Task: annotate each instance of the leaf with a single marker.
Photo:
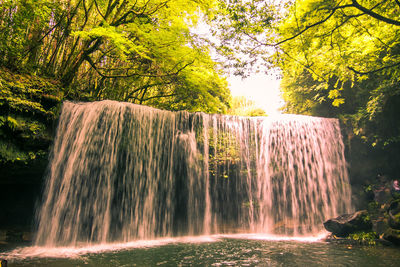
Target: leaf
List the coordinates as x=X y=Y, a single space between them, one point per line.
x=333 y=94
x=337 y=102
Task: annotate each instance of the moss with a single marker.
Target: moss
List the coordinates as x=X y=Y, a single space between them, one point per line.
x=29 y=106
x=24 y=94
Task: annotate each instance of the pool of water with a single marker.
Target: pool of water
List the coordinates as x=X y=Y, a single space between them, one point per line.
x=233 y=250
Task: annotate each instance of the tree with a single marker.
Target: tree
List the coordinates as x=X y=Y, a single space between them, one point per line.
x=349 y=51
x=242 y=29
x=243 y=107
x=138 y=51
x=338 y=57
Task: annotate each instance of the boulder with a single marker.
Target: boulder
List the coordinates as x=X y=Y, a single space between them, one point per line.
x=347 y=224
x=392 y=235
x=380 y=225
x=394 y=215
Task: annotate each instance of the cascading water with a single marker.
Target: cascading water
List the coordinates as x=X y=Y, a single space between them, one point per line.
x=121 y=172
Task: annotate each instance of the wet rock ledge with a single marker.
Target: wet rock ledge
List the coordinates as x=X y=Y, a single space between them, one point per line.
x=379 y=224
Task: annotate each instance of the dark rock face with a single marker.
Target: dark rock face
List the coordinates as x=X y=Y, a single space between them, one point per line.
x=29 y=107
x=383 y=195
x=394 y=215
x=392 y=235
x=380 y=225
x=346 y=224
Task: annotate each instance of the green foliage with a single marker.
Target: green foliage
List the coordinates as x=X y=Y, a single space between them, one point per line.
x=350 y=60
x=368 y=189
x=17 y=28
x=224 y=151
x=365 y=238
x=243 y=107
x=243 y=31
x=337 y=58
x=138 y=51
x=373 y=208
x=28 y=94
x=28 y=108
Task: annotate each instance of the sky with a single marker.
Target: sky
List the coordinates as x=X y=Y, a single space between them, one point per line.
x=263 y=89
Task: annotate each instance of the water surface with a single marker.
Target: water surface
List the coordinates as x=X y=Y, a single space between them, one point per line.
x=234 y=250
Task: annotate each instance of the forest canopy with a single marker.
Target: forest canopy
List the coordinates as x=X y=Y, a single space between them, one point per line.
x=137 y=51
x=338 y=58
x=344 y=60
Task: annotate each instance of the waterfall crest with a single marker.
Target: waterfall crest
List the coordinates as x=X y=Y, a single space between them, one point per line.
x=123 y=172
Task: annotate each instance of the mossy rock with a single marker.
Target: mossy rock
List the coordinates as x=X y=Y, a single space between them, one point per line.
x=394 y=214
x=347 y=224
x=380 y=225
x=29 y=95
x=392 y=235
x=29 y=107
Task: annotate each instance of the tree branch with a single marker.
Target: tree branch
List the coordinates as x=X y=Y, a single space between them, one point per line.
x=158 y=96
x=131 y=95
x=152 y=97
x=370 y=34
x=93 y=65
x=373 y=71
x=374 y=14
x=304 y=65
x=354 y=4
x=48 y=32
x=98 y=10
x=306 y=28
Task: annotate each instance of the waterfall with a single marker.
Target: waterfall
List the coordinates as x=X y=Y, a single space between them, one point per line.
x=120 y=172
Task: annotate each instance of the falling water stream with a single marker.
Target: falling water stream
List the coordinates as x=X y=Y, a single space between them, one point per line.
x=122 y=173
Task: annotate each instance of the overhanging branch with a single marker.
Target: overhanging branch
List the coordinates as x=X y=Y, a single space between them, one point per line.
x=306 y=28
x=374 y=14
x=93 y=65
x=373 y=71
